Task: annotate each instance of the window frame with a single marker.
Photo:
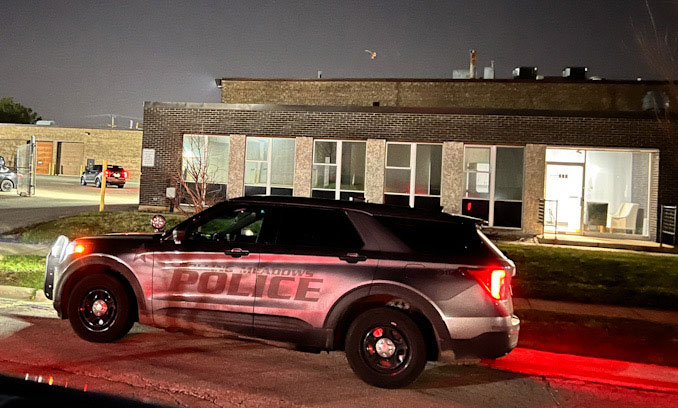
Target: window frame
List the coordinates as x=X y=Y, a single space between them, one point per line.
x=492 y=174
x=269 y=164
x=413 y=171
x=337 y=165
x=205 y=145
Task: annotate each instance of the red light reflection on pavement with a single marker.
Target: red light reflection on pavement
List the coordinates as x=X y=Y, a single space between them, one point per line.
x=591 y=369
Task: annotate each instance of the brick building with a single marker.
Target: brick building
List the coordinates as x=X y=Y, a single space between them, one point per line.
x=490 y=149
x=65 y=150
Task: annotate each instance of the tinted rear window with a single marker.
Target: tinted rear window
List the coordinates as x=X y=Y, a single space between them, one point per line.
x=433 y=237
x=317 y=228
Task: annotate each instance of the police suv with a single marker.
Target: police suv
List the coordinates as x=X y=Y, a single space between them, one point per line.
x=393 y=287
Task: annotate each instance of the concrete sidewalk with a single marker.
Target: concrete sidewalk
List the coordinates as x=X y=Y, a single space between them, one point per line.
x=20 y=248
x=571 y=308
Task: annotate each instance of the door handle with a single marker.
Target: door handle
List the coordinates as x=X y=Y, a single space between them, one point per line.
x=353 y=257
x=237 y=252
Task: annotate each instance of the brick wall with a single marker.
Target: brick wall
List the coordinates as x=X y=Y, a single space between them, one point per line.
x=165 y=123
x=121 y=147
x=594 y=96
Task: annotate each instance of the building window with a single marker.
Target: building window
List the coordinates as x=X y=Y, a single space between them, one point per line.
x=598 y=192
x=343 y=158
x=494 y=184
x=269 y=166
x=412 y=176
x=205 y=159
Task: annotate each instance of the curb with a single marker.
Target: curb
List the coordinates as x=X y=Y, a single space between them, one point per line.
x=19 y=293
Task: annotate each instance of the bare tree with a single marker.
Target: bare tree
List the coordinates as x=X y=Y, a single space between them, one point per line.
x=196 y=177
x=659 y=49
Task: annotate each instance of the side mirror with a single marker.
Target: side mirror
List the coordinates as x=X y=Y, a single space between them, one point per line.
x=2 y=161
x=178 y=236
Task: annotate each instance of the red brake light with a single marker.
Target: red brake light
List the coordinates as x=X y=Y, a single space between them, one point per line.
x=124 y=174
x=495 y=281
x=107 y=173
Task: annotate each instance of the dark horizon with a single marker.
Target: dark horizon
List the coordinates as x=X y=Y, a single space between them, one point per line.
x=69 y=61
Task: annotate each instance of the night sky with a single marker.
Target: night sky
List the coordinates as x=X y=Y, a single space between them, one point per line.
x=71 y=59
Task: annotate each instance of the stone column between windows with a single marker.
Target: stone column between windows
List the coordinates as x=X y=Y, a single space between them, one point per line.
x=452 y=180
x=303 y=166
x=534 y=182
x=236 y=166
x=374 y=170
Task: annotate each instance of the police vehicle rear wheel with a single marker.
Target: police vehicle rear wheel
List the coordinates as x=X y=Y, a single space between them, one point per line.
x=97 y=183
x=100 y=309
x=83 y=182
x=385 y=348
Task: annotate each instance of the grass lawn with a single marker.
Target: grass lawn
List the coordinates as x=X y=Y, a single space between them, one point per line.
x=93 y=223
x=594 y=276
x=22 y=270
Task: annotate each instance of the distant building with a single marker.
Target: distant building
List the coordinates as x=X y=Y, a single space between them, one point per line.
x=486 y=148
x=65 y=150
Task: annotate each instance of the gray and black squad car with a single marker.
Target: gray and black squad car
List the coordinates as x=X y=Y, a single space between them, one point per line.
x=393 y=287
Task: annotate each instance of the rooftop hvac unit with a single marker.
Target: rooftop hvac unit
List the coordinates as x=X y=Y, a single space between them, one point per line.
x=575 y=73
x=525 y=73
x=460 y=74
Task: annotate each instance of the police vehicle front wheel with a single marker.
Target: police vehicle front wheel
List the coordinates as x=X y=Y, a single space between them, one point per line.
x=100 y=309
x=385 y=348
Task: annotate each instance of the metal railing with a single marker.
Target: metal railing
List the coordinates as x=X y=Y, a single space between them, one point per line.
x=548 y=214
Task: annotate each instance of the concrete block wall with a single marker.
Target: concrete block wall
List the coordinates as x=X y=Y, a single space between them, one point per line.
x=594 y=96
x=118 y=146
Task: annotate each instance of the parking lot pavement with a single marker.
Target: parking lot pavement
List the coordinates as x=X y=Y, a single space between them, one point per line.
x=59 y=196
x=190 y=370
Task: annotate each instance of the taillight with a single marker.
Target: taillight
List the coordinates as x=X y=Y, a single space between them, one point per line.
x=107 y=173
x=494 y=280
x=124 y=174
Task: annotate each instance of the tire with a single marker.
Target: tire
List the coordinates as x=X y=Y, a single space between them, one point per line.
x=121 y=185
x=83 y=182
x=97 y=183
x=388 y=331
x=100 y=293
x=6 y=185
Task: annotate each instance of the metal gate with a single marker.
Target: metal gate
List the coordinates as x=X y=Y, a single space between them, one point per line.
x=25 y=165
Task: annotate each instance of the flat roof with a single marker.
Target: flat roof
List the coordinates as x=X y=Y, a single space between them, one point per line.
x=549 y=80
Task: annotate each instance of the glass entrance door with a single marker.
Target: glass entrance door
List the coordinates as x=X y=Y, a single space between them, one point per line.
x=564 y=186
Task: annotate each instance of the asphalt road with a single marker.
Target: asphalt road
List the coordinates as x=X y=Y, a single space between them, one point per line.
x=189 y=370
x=58 y=196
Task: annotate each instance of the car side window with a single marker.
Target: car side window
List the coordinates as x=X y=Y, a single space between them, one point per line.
x=241 y=225
x=433 y=237
x=317 y=228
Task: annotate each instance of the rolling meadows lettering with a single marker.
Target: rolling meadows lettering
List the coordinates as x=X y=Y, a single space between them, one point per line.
x=268 y=285
x=245 y=270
